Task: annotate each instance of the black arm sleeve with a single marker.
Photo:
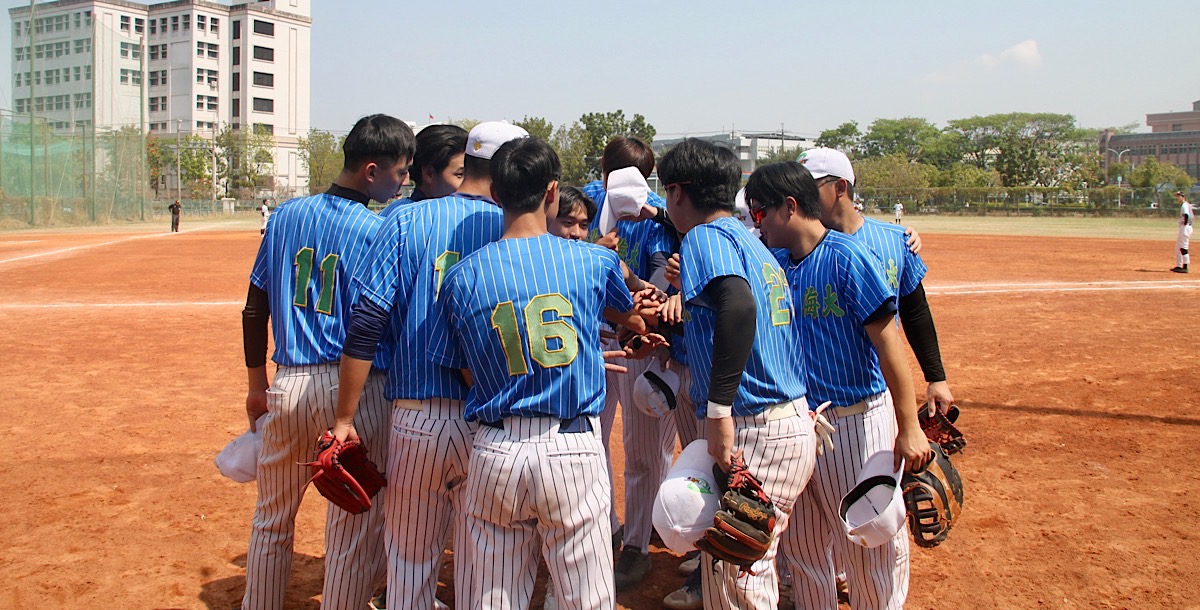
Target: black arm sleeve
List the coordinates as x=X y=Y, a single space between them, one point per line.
x=658 y=271
x=922 y=335
x=367 y=323
x=733 y=338
x=255 y=318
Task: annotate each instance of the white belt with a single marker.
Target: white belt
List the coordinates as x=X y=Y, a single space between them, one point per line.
x=857 y=408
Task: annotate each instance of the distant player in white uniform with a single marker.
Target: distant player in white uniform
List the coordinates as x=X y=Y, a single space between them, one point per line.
x=300 y=286
x=853 y=358
x=430 y=441
x=899 y=212
x=265 y=212
x=1186 y=219
x=522 y=316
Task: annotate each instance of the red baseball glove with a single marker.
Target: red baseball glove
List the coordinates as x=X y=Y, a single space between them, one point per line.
x=344 y=474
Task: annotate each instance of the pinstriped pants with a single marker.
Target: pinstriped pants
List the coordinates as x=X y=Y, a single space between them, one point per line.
x=687 y=424
x=301 y=405
x=649 y=446
x=529 y=484
x=781 y=454
x=877 y=577
x=427 y=473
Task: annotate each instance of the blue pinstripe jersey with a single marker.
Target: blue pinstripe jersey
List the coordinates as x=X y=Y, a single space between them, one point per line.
x=902 y=269
x=725 y=247
x=836 y=288
x=304 y=264
x=638 y=241
x=524 y=315
x=411 y=255
x=396 y=206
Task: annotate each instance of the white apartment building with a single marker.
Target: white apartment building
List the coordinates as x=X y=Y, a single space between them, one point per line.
x=182 y=67
x=749 y=147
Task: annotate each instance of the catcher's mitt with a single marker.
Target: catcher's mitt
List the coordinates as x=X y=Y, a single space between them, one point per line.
x=344 y=474
x=744 y=526
x=933 y=498
x=941 y=430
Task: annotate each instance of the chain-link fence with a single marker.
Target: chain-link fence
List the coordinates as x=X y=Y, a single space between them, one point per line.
x=52 y=174
x=1030 y=201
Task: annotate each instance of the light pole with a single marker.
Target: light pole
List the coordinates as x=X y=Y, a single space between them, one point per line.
x=1118 y=175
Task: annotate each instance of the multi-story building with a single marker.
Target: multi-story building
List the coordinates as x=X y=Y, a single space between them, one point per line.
x=1174 y=138
x=749 y=147
x=172 y=68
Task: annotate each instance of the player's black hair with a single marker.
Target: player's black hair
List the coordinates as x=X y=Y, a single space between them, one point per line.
x=521 y=171
x=627 y=151
x=770 y=185
x=708 y=176
x=378 y=138
x=571 y=197
x=475 y=168
x=436 y=144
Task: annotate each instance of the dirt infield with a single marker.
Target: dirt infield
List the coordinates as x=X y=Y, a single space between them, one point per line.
x=1073 y=360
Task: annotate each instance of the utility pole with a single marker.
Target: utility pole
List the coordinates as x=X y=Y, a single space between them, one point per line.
x=32 y=101
x=178 y=166
x=140 y=183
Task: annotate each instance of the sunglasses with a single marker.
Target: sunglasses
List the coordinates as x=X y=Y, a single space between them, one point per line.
x=757 y=214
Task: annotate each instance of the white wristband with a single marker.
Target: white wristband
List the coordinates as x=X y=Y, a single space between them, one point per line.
x=716 y=411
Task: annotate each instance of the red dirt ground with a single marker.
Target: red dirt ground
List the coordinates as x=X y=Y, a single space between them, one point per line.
x=1077 y=405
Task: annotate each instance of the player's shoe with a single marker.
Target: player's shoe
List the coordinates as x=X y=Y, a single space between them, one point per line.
x=688 y=597
x=691 y=561
x=843 y=588
x=1179 y=270
x=632 y=566
x=618 y=538
x=379 y=602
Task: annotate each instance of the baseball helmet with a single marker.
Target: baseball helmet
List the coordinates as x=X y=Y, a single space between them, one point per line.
x=873 y=511
x=654 y=390
x=687 y=499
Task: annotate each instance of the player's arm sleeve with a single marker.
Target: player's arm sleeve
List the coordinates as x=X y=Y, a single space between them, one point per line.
x=255 y=318
x=367 y=323
x=867 y=289
x=922 y=334
x=616 y=293
x=657 y=270
x=732 y=337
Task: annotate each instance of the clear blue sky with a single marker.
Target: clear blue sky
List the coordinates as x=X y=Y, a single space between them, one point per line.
x=702 y=67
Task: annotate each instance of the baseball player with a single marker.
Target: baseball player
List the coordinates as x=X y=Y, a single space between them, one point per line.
x=855 y=360
x=429 y=441
x=437 y=166
x=1186 y=218
x=902 y=266
x=744 y=382
x=175 y=210
x=525 y=334
x=649 y=442
x=300 y=284
x=265 y=212
x=899 y=212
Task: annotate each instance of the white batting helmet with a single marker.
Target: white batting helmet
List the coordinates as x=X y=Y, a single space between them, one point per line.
x=687 y=499
x=654 y=390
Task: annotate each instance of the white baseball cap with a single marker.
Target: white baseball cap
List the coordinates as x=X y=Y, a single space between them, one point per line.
x=822 y=162
x=625 y=194
x=239 y=459
x=486 y=137
x=874 y=511
x=687 y=499
x=654 y=390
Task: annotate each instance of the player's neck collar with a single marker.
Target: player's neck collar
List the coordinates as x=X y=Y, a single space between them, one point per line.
x=348 y=193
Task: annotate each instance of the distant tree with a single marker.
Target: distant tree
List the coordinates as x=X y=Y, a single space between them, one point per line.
x=599 y=128
x=321 y=154
x=1152 y=173
x=467 y=124
x=962 y=175
x=845 y=137
x=779 y=155
x=156 y=162
x=893 y=172
x=907 y=136
x=537 y=127
x=1028 y=149
x=570 y=142
x=246 y=159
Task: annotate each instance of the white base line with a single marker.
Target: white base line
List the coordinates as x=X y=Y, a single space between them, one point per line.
x=119 y=305
x=90 y=246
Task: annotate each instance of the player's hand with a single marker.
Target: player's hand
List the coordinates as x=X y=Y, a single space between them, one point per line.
x=344 y=432
x=719 y=433
x=914 y=240
x=671 y=312
x=609 y=240
x=913 y=447
x=613 y=355
x=648 y=212
x=642 y=346
x=256 y=407
x=672 y=272
x=938 y=397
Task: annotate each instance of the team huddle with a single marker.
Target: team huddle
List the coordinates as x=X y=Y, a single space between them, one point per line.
x=479 y=336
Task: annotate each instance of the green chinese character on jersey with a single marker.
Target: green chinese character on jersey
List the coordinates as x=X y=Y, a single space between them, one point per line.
x=812 y=304
x=831 y=303
x=893 y=274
